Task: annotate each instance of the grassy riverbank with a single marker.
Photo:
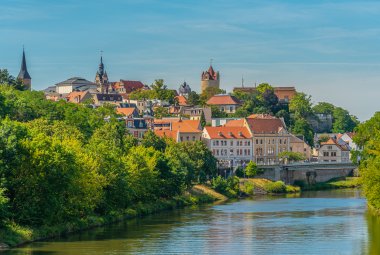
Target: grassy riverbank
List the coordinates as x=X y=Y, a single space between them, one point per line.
x=341 y=183
x=252 y=187
x=13 y=234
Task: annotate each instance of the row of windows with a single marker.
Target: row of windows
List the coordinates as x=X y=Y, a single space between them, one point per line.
x=273 y=141
x=326 y=154
x=187 y=138
x=224 y=143
x=270 y=151
x=224 y=152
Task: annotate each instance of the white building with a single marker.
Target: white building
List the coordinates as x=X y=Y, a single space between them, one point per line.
x=232 y=146
x=332 y=151
x=75 y=84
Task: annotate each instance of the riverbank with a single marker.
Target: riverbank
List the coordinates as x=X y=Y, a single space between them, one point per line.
x=341 y=183
x=12 y=235
x=255 y=186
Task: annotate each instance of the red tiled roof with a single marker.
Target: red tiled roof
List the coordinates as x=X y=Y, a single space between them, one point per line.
x=125 y=111
x=129 y=86
x=223 y=100
x=183 y=126
x=181 y=100
x=228 y=132
x=235 y=123
x=267 y=125
x=166 y=133
x=331 y=141
x=76 y=96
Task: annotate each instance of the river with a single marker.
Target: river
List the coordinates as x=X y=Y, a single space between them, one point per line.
x=323 y=222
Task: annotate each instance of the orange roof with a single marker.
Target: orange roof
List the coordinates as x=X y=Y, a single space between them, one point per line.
x=181 y=100
x=125 y=111
x=261 y=116
x=183 y=126
x=76 y=96
x=223 y=100
x=235 y=123
x=331 y=141
x=167 y=133
x=228 y=132
x=265 y=124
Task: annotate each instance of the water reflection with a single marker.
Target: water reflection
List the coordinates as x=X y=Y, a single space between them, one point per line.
x=329 y=222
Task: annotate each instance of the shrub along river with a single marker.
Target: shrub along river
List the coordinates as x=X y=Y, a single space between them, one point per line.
x=323 y=222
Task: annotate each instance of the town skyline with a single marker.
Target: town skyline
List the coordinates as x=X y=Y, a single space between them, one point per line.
x=314 y=46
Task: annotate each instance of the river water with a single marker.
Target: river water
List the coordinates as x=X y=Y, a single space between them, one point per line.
x=323 y=222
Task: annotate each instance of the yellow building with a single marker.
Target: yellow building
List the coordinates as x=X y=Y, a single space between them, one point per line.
x=210 y=79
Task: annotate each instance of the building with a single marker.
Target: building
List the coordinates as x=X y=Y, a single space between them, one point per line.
x=136 y=126
x=181 y=100
x=232 y=146
x=184 y=89
x=332 y=151
x=195 y=113
x=216 y=122
x=269 y=136
x=23 y=74
x=321 y=122
x=127 y=86
x=299 y=145
x=178 y=129
x=210 y=79
x=79 y=97
x=101 y=99
x=75 y=84
x=130 y=112
x=348 y=139
x=101 y=79
x=284 y=94
x=225 y=103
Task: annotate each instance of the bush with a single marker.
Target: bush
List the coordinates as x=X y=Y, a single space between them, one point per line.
x=228 y=187
x=275 y=187
x=248 y=188
x=3 y=207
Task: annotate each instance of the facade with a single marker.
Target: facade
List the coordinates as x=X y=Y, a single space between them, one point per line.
x=210 y=79
x=75 y=84
x=269 y=136
x=299 y=145
x=232 y=146
x=284 y=94
x=195 y=113
x=23 y=74
x=225 y=103
x=332 y=151
x=348 y=139
x=136 y=126
x=321 y=122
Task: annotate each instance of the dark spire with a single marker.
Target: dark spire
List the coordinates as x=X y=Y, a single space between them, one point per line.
x=24 y=71
x=101 y=67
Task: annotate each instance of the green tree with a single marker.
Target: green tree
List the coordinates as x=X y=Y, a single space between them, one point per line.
x=301 y=105
x=251 y=170
x=324 y=108
x=161 y=112
x=343 y=121
x=291 y=156
x=302 y=127
x=193 y=98
x=152 y=140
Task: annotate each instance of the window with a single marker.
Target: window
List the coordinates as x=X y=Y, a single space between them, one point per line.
x=193 y=138
x=187 y=138
x=284 y=141
x=232 y=143
x=231 y=152
x=325 y=154
x=136 y=134
x=333 y=154
x=249 y=143
x=329 y=147
x=261 y=141
x=257 y=141
x=231 y=109
x=130 y=124
x=217 y=143
x=280 y=141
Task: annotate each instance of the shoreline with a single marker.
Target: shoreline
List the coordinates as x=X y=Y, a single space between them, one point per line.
x=13 y=235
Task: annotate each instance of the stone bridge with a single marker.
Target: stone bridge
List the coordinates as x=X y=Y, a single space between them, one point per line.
x=307 y=172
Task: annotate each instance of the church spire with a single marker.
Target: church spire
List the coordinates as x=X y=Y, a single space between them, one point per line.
x=24 y=75
x=24 y=70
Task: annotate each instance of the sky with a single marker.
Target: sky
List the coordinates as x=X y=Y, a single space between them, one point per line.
x=328 y=49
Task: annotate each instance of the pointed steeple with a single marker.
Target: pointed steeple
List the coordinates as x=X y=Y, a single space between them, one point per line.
x=101 y=67
x=23 y=71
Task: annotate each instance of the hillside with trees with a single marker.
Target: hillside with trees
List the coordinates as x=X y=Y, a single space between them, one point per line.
x=62 y=163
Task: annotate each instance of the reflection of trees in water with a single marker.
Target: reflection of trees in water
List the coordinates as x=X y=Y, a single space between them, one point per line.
x=373 y=223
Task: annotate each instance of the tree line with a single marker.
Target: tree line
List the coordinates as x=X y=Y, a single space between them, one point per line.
x=61 y=162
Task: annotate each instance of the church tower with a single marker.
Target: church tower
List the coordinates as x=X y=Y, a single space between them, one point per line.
x=24 y=75
x=101 y=78
x=209 y=78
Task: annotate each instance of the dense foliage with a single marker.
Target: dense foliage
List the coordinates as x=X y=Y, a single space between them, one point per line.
x=368 y=137
x=61 y=162
x=158 y=90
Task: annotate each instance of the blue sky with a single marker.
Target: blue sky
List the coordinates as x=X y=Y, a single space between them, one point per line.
x=329 y=49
